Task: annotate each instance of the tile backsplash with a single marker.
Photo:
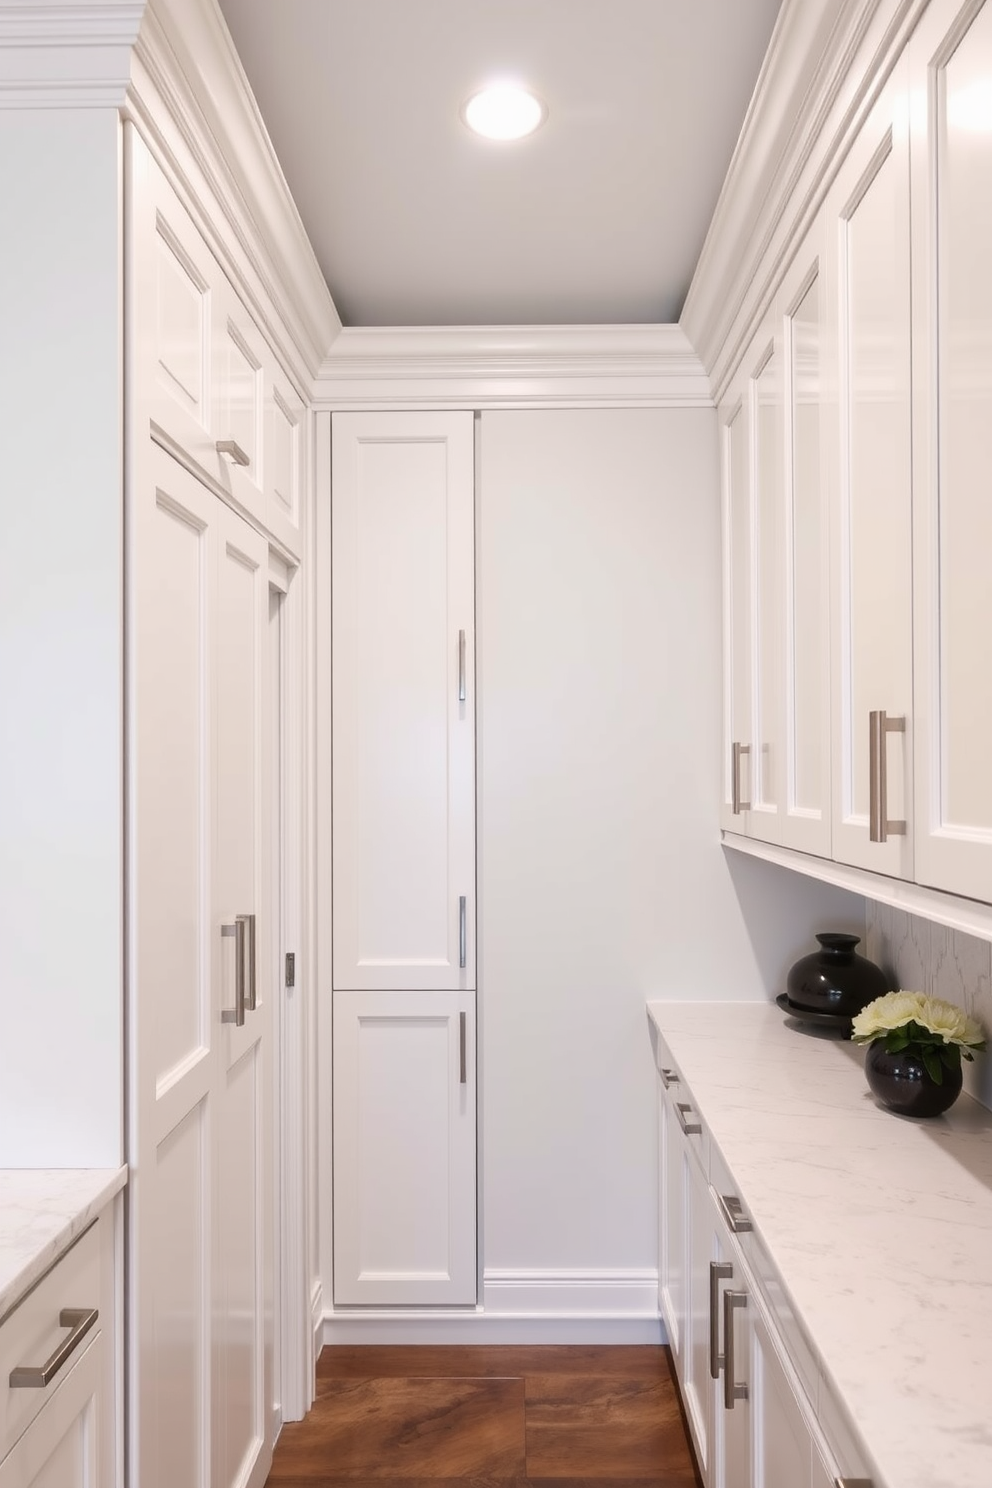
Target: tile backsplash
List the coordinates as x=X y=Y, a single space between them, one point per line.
x=920 y=956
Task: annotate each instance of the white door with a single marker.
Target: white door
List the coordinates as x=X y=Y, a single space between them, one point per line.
x=62 y=1448
x=805 y=782
x=767 y=760
x=404 y=1148
x=199 y=1129
x=951 y=82
x=697 y=1390
x=737 y=590
x=403 y=556
x=781 y=1439
x=672 y=1226
x=867 y=224
x=242 y=1126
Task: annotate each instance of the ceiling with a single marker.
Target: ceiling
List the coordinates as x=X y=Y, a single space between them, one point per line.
x=598 y=218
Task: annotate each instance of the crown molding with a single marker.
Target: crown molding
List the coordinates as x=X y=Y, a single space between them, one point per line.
x=71 y=54
x=511 y=366
x=191 y=100
x=824 y=65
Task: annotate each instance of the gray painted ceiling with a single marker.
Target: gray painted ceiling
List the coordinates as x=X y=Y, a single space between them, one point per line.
x=598 y=218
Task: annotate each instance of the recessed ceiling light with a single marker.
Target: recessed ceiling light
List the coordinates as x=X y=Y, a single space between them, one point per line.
x=504 y=112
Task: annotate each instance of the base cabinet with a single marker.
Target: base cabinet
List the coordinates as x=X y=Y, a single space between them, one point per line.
x=755 y=1414
x=404 y=1148
x=62 y=1448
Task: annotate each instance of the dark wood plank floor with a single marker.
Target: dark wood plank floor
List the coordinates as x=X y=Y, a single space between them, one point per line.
x=491 y=1418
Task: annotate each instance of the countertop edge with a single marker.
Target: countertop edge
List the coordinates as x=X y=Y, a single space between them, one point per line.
x=71 y=1198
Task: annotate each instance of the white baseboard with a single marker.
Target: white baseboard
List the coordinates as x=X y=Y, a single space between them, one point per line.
x=520 y=1307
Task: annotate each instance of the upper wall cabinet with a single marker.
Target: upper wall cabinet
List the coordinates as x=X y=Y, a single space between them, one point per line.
x=217 y=396
x=951 y=114
x=403 y=565
x=776 y=782
x=867 y=227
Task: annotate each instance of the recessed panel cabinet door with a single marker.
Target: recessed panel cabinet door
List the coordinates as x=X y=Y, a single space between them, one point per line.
x=951 y=81
x=404 y=1148
x=867 y=225
x=737 y=591
x=403 y=701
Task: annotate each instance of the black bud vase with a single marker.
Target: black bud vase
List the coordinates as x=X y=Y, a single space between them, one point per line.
x=834 y=979
x=901 y=1082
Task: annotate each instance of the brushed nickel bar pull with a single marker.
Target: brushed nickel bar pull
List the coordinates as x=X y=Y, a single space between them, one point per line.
x=232 y=448
x=462 y=933
x=237 y=1017
x=734 y=1217
x=38 y=1377
x=737 y=805
x=719 y=1271
x=691 y=1128
x=461 y=666
x=731 y=1389
x=853 y=1483
x=879 y=826
x=668 y=1077
x=252 y=999
x=462 y=1056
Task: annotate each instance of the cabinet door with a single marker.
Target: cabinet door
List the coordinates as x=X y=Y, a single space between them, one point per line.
x=867 y=224
x=781 y=1438
x=404 y=701
x=62 y=1448
x=404 y=1148
x=951 y=62
x=672 y=1228
x=239 y=357
x=805 y=783
x=697 y=1383
x=765 y=400
x=737 y=589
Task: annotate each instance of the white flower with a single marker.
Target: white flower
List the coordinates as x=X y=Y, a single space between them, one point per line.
x=888 y=1012
x=949 y=1022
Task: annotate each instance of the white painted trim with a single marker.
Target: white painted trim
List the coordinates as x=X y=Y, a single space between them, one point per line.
x=478 y=1327
x=70 y=54
x=967 y=915
x=824 y=67
x=571 y=1293
x=511 y=367
x=317 y=1335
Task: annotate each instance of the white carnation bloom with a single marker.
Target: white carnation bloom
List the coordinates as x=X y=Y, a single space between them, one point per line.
x=888 y=1012
x=949 y=1022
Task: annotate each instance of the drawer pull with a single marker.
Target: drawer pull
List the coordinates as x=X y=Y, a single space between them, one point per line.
x=853 y=1483
x=719 y=1271
x=734 y=1217
x=691 y=1128
x=37 y=1377
x=232 y=448
x=738 y=804
x=879 y=826
x=461 y=666
x=668 y=1077
x=731 y=1389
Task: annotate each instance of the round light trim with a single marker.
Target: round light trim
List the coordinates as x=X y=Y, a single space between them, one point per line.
x=504 y=112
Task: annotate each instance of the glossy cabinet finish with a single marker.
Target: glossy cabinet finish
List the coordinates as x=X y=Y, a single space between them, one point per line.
x=404 y=1148
x=951 y=85
x=403 y=555
x=735 y=438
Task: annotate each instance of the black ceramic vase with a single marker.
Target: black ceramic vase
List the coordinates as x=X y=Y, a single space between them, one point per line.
x=901 y=1082
x=834 y=979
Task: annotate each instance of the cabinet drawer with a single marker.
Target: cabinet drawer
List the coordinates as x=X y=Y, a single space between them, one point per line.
x=31 y=1333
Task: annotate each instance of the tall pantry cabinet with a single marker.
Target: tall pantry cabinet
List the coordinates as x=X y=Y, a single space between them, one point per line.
x=403 y=849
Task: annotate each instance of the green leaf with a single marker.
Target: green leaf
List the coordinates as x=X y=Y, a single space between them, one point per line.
x=932 y=1066
x=951 y=1056
x=897 y=1039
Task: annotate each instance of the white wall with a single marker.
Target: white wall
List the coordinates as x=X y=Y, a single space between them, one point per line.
x=602 y=881
x=61 y=639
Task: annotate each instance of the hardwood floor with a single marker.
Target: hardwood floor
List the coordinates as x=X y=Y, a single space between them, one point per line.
x=490 y=1418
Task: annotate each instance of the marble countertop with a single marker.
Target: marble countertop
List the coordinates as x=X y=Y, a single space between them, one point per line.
x=42 y=1210
x=879 y=1226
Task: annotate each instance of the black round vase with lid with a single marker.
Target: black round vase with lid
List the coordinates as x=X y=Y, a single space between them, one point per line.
x=835 y=979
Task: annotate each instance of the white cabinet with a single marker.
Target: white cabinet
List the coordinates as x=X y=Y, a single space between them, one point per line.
x=404 y=1148
x=867 y=226
x=403 y=555
x=951 y=85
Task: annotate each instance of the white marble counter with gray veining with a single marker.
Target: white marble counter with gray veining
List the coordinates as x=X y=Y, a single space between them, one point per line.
x=42 y=1210
x=880 y=1227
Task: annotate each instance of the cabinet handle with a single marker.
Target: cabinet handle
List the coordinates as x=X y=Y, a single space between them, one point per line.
x=691 y=1128
x=462 y=1060
x=232 y=447
x=462 y=933
x=731 y=1389
x=734 y=1217
x=853 y=1483
x=37 y=1377
x=237 y=1017
x=879 y=826
x=252 y=998
x=719 y=1271
x=737 y=805
x=668 y=1077
x=461 y=666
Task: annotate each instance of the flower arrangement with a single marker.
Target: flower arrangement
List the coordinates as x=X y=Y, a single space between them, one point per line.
x=935 y=1031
